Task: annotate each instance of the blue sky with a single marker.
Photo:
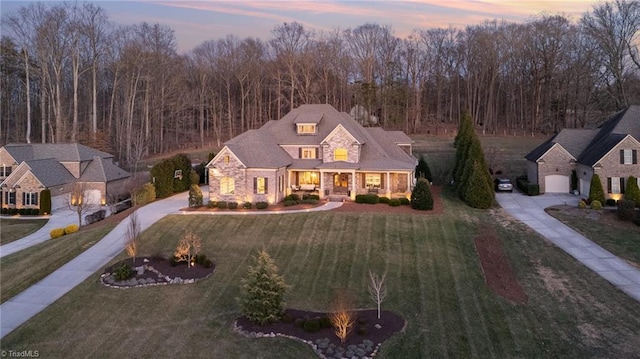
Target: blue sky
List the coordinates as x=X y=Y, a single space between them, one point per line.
x=197 y=21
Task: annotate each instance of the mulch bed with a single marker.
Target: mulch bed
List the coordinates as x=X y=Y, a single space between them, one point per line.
x=162 y=272
x=365 y=329
x=496 y=267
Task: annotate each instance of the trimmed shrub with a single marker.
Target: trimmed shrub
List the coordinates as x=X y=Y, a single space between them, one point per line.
x=533 y=189
x=421 y=198
x=384 y=199
x=423 y=170
x=72 y=228
x=262 y=205
x=194 y=177
x=4 y=211
x=195 y=196
x=247 y=205
x=123 y=272
x=596 y=193
x=212 y=204
x=595 y=204
x=311 y=196
x=632 y=192
x=221 y=205
x=478 y=193
x=582 y=204
x=626 y=210
x=404 y=201
x=394 y=202
x=233 y=205
x=56 y=233
x=45 y=201
x=202 y=260
x=288 y=203
x=369 y=198
x=13 y=211
x=287 y=318
x=145 y=194
x=311 y=325
x=610 y=202
x=309 y=201
x=292 y=197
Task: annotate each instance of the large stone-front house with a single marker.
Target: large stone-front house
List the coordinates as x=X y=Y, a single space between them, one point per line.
x=313 y=149
x=27 y=169
x=611 y=151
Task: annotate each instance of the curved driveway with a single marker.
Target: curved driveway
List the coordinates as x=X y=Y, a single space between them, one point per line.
x=34 y=299
x=530 y=211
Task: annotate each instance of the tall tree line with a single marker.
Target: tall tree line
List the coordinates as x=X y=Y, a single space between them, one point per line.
x=70 y=74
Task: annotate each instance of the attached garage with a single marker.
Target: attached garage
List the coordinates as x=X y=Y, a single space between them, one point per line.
x=556 y=184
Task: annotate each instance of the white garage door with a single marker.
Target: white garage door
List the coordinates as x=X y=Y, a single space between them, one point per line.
x=556 y=184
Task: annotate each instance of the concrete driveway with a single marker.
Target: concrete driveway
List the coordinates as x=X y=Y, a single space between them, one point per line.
x=530 y=211
x=60 y=218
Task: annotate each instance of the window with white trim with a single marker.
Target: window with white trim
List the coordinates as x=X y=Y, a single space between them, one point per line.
x=340 y=154
x=615 y=184
x=373 y=180
x=10 y=197
x=227 y=185
x=261 y=185
x=308 y=152
x=627 y=157
x=29 y=199
x=306 y=129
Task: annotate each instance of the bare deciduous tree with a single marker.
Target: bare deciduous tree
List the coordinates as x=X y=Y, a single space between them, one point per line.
x=188 y=249
x=80 y=201
x=377 y=289
x=131 y=236
x=342 y=314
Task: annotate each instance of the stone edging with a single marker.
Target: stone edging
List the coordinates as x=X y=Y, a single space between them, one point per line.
x=165 y=280
x=248 y=334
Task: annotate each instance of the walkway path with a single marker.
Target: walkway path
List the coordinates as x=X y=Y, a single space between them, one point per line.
x=60 y=218
x=530 y=210
x=34 y=299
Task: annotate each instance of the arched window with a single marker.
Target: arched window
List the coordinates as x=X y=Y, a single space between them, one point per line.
x=227 y=185
x=340 y=154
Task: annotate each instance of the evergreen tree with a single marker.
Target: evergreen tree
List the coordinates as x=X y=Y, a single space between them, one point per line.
x=596 y=193
x=182 y=163
x=263 y=291
x=632 y=192
x=45 y=201
x=461 y=142
x=423 y=170
x=421 y=197
x=195 y=196
x=478 y=193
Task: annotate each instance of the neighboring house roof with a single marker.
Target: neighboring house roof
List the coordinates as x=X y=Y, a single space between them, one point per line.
x=49 y=172
x=63 y=152
x=102 y=170
x=258 y=151
x=588 y=146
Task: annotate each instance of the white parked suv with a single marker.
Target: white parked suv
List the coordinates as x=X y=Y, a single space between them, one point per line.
x=503 y=184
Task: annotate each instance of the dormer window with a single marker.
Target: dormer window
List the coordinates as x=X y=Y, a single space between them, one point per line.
x=306 y=128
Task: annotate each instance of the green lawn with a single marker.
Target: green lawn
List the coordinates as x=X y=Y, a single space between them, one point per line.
x=13 y=229
x=619 y=238
x=434 y=281
x=25 y=268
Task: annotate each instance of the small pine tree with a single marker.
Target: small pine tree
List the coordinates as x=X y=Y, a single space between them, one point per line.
x=421 y=197
x=632 y=192
x=195 y=196
x=423 y=170
x=596 y=193
x=45 y=201
x=478 y=193
x=462 y=142
x=263 y=291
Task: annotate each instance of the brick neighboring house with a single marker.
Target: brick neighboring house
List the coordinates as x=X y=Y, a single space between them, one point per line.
x=611 y=151
x=27 y=169
x=313 y=149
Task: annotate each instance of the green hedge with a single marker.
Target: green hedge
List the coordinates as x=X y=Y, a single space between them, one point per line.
x=367 y=198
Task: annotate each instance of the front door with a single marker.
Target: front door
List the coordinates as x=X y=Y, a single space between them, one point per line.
x=341 y=183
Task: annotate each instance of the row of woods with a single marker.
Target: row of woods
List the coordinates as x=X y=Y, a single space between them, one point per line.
x=71 y=74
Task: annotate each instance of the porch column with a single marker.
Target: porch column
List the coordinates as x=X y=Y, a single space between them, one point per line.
x=388 y=182
x=353 y=185
x=321 y=190
x=409 y=179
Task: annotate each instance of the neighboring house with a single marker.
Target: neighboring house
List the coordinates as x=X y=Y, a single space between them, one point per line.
x=313 y=149
x=27 y=169
x=611 y=151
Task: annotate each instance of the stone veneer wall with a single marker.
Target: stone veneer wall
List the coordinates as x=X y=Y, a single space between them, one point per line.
x=233 y=169
x=341 y=139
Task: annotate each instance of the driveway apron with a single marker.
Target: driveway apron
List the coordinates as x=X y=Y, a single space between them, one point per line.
x=530 y=211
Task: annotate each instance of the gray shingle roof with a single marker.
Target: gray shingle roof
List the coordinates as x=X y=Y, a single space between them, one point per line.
x=63 y=152
x=257 y=149
x=102 y=170
x=50 y=172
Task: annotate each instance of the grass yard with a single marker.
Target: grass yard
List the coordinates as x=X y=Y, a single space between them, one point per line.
x=14 y=229
x=434 y=281
x=22 y=269
x=603 y=228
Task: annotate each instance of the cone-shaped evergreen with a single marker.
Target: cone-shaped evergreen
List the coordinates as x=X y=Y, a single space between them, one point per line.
x=421 y=197
x=422 y=169
x=478 y=193
x=263 y=291
x=596 y=193
x=45 y=201
x=462 y=142
x=465 y=128
x=632 y=192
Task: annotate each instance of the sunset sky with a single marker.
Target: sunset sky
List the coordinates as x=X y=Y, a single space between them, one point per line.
x=197 y=21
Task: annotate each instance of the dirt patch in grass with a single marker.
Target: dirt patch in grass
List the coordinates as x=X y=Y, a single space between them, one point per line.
x=556 y=286
x=367 y=328
x=497 y=270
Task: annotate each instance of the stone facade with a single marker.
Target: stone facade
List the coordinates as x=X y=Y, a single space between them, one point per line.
x=340 y=139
